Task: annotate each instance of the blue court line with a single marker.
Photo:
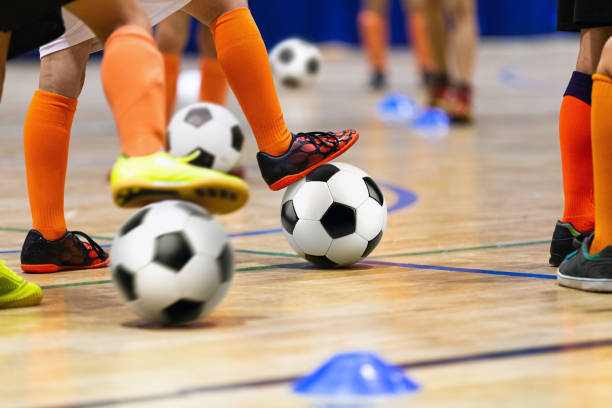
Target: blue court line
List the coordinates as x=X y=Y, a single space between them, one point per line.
x=404 y=198
x=469 y=270
x=286 y=380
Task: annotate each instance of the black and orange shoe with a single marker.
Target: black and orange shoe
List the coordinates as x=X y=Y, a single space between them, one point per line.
x=306 y=152
x=39 y=255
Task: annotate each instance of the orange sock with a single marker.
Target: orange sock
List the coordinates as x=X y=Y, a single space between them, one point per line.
x=172 y=66
x=213 y=85
x=133 y=80
x=576 y=157
x=417 y=23
x=244 y=59
x=46 y=136
x=374 y=35
x=601 y=126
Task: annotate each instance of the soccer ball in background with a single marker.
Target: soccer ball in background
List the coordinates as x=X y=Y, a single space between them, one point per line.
x=295 y=63
x=210 y=129
x=172 y=262
x=335 y=216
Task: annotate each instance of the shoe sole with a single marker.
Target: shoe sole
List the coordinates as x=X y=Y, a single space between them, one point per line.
x=216 y=196
x=50 y=268
x=586 y=284
x=32 y=299
x=292 y=178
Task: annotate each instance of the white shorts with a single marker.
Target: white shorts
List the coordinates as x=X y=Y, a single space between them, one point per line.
x=77 y=31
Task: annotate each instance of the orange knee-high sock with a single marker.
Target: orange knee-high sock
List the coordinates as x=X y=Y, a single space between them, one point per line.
x=601 y=126
x=576 y=157
x=213 y=85
x=46 y=136
x=172 y=66
x=419 y=33
x=244 y=59
x=133 y=80
x=374 y=35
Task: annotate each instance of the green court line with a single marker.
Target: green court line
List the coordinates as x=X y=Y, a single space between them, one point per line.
x=465 y=249
x=102 y=282
x=430 y=252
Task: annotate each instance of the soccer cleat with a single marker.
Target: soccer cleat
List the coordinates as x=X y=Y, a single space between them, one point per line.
x=39 y=255
x=16 y=292
x=581 y=270
x=565 y=240
x=138 y=181
x=306 y=152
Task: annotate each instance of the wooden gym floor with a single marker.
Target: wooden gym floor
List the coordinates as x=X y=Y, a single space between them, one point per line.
x=459 y=292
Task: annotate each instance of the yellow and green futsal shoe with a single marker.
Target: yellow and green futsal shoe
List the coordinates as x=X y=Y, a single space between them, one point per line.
x=138 y=181
x=16 y=292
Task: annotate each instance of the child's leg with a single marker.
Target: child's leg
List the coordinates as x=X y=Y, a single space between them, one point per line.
x=5 y=39
x=284 y=157
x=417 y=26
x=46 y=136
x=171 y=36
x=575 y=140
x=602 y=150
x=374 y=35
x=213 y=85
x=132 y=71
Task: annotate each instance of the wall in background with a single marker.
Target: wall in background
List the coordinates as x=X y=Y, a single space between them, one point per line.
x=335 y=20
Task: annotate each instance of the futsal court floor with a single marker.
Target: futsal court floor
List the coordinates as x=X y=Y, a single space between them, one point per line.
x=459 y=292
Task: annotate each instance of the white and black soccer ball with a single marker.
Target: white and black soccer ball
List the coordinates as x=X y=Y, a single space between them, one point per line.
x=295 y=63
x=335 y=216
x=172 y=262
x=210 y=129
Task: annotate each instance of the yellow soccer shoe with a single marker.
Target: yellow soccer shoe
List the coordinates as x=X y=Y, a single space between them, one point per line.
x=16 y=292
x=138 y=181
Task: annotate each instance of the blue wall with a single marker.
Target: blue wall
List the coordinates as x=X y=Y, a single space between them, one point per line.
x=335 y=20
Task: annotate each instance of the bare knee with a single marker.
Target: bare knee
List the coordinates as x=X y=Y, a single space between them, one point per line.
x=63 y=72
x=172 y=33
x=462 y=10
x=207 y=11
x=605 y=62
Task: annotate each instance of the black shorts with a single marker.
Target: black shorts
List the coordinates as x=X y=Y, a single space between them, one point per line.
x=573 y=15
x=32 y=23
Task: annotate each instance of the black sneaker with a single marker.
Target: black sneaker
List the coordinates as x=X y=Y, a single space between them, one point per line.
x=378 y=81
x=306 y=152
x=584 y=271
x=565 y=240
x=40 y=255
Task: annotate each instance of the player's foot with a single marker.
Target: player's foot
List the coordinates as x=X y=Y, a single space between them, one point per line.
x=40 y=255
x=138 y=181
x=437 y=89
x=565 y=240
x=16 y=292
x=378 y=81
x=584 y=271
x=306 y=152
x=458 y=104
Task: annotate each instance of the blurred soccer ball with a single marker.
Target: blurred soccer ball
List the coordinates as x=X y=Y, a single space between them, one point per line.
x=295 y=63
x=172 y=262
x=210 y=129
x=335 y=216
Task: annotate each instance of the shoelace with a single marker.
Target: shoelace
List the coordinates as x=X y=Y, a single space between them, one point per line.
x=314 y=136
x=94 y=245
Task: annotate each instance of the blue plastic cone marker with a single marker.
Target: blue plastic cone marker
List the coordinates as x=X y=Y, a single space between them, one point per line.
x=357 y=374
x=431 y=119
x=397 y=107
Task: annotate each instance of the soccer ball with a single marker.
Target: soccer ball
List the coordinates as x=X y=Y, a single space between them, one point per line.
x=172 y=262
x=335 y=216
x=210 y=129
x=295 y=63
